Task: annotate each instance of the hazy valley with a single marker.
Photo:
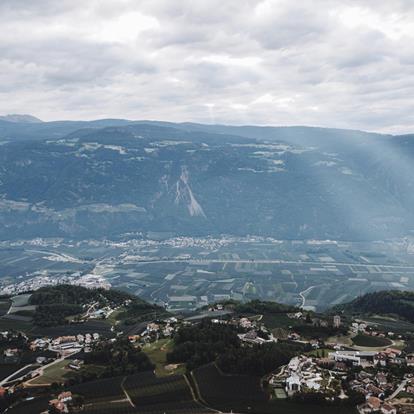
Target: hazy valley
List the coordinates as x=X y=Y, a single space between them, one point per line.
x=186 y=214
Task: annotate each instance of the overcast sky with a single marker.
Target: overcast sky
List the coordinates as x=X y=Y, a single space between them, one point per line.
x=347 y=64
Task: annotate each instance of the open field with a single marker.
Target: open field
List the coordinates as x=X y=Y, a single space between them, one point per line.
x=55 y=373
x=157 y=352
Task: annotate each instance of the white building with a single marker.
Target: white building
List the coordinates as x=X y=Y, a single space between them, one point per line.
x=293 y=384
x=358 y=358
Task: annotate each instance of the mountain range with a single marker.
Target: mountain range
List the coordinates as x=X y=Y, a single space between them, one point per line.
x=105 y=178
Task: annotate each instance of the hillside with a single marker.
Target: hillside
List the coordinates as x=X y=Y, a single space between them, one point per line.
x=111 y=177
x=55 y=304
x=395 y=303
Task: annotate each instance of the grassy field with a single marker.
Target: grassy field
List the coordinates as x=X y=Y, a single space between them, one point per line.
x=157 y=353
x=55 y=373
x=340 y=339
x=113 y=317
x=370 y=341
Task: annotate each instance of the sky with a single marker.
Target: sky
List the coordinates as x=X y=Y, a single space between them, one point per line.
x=332 y=63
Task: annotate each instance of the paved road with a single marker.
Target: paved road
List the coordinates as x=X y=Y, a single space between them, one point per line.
x=41 y=369
x=302 y=295
x=407 y=268
x=5 y=380
x=398 y=390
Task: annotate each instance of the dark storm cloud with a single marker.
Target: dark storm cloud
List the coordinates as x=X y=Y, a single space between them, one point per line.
x=324 y=62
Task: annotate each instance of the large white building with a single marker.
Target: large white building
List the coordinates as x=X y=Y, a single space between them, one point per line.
x=360 y=358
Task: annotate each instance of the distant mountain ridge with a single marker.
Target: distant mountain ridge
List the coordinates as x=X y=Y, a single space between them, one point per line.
x=16 y=127
x=109 y=177
x=24 y=119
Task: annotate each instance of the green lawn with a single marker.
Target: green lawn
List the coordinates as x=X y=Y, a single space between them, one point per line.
x=55 y=373
x=157 y=353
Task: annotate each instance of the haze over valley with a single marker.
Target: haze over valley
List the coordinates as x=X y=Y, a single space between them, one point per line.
x=188 y=214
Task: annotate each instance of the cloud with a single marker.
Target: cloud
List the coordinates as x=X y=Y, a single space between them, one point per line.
x=327 y=62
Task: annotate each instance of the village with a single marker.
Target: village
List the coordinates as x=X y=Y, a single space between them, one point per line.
x=379 y=380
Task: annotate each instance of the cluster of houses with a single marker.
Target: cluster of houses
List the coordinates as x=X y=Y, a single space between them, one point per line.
x=156 y=330
x=64 y=345
x=330 y=376
x=256 y=333
x=376 y=405
x=362 y=327
x=61 y=403
x=387 y=357
x=90 y=281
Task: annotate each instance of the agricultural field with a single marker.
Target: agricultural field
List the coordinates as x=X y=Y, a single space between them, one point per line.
x=112 y=407
x=104 y=390
x=227 y=392
x=139 y=393
x=169 y=391
x=187 y=273
x=14 y=322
